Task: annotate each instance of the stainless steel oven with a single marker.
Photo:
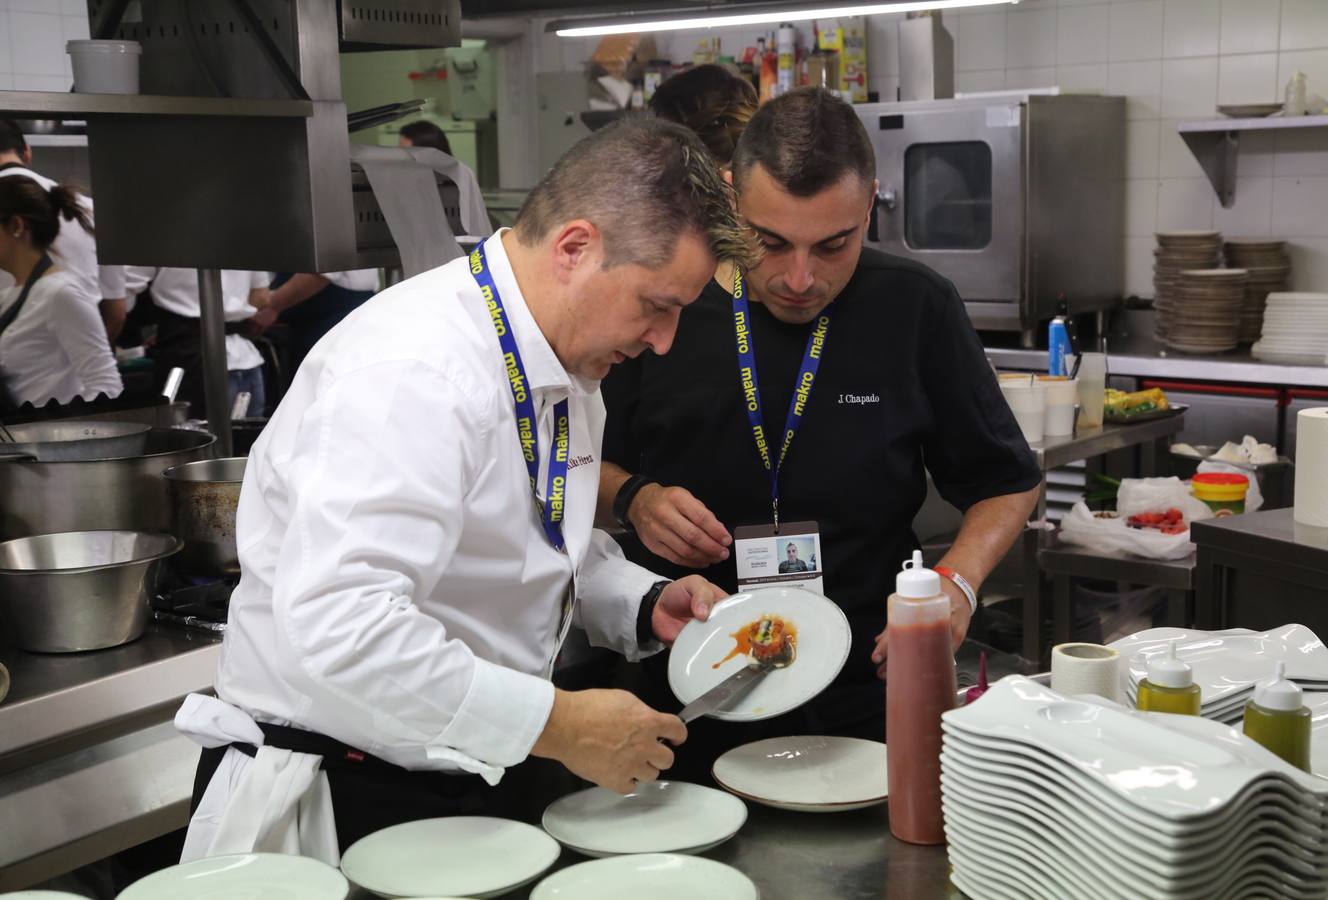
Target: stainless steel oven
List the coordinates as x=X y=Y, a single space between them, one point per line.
x=1017 y=199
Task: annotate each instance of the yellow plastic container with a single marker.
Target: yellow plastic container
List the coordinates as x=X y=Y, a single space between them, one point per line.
x=1224 y=492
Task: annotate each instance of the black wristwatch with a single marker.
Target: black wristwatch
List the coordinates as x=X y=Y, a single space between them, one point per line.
x=645 y=633
x=626 y=494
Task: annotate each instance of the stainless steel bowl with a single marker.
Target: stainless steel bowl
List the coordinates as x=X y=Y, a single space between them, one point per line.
x=79 y=590
x=204 y=496
x=75 y=440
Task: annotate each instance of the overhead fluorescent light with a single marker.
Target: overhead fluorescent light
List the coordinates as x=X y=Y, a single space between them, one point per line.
x=645 y=22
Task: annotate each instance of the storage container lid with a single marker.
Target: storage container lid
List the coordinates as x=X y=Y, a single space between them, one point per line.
x=1168 y=671
x=1220 y=486
x=916 y=580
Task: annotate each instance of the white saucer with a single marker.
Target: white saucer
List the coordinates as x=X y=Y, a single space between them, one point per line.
x=822 y=649
x=272 y=876
x=806 y=773
x=655 y=876
x=469 y=856
x=659 y=817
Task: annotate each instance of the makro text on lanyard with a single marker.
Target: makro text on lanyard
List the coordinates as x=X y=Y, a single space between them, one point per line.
x=751 y=392
x=552 y=510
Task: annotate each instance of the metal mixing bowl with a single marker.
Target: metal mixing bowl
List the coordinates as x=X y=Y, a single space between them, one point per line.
x=205 y=495
x=79 y=590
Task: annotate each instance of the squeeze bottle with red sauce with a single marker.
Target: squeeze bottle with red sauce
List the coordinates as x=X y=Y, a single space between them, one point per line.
x=919 y=686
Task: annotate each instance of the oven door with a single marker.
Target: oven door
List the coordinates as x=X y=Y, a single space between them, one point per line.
x=952 y=196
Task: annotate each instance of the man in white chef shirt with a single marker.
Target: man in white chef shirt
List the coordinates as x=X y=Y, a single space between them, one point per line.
x=402 y=599
x=175 y=294
x=75 y=249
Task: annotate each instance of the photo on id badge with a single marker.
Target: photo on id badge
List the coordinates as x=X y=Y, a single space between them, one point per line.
x=790 y=557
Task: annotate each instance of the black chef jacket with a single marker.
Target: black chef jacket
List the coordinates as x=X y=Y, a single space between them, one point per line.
x=903 y=383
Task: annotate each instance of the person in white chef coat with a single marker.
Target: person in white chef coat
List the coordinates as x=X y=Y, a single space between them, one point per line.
x=179 y=338
x=74 y=249
x=52 y=344
x=415 y=527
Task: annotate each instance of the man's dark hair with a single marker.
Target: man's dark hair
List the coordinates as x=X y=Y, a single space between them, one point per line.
x=806 y=140
x=426 y=134
x=644 y=183
x=711 y=101
x=11 y=137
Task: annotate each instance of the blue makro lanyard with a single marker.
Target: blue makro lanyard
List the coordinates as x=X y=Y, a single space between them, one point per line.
x=554 y=506
x=811 y=361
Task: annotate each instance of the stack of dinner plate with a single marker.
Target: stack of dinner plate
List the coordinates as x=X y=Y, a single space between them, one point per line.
x=1177 y=251
x=1056 y=798
x=1227 y=665
x=1203 y=315
x=1268 y=266
x=1295 y=329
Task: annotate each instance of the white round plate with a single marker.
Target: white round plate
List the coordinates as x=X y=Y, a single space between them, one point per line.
x=272 y=876
x=821 y=651
x=41 y=895
x=806 y=773
x=659 y=817
x=654 y=876
x=466 y=856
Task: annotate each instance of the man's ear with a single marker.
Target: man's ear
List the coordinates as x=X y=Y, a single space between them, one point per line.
x=578 y=243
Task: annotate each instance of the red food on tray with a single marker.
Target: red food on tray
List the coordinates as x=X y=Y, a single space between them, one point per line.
x=1170 y=522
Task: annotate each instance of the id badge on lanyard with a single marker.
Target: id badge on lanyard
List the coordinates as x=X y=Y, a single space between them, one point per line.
x=789 y=551
x=553 y=508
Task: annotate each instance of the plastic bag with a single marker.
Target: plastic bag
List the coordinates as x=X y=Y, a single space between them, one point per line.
x=1137 y=495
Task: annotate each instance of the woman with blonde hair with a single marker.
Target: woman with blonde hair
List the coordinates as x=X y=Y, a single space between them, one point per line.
x=713 y=102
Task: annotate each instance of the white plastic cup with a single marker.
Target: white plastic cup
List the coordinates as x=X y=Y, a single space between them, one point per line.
x=1061 y=396
x=1028 y=402
x=1092 y=389
x=105 y=67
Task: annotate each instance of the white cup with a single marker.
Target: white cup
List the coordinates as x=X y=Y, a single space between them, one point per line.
x=1028 y=402
x=1092 y=388
x=105 y=67
x=1061 y=396
x=1085 y=669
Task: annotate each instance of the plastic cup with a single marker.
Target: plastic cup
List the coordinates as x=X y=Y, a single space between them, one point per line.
x=105 y=67
x=1092 y=388
x=1061 y=396
x=1028 y=402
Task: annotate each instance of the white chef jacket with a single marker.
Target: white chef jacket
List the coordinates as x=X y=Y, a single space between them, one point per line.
x=74 y=249
x=176 y=291
x=398 y=592
x=57 y=346
x=354 y=280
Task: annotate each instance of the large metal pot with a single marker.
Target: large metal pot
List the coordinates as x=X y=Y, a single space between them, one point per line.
x=73 y=440
x=204 y=496
x=81 y=590
x=104 y=494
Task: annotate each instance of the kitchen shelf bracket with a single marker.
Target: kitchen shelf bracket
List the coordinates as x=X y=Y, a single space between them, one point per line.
x=1216 y=145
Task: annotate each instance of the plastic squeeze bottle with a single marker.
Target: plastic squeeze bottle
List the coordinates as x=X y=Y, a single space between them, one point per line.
x=1170 y=686
x=919 y=686
x=1277 y=718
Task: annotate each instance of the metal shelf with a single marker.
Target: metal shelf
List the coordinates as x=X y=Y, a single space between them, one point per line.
x=56 y=140
x=57 y=105
x=1215 y=143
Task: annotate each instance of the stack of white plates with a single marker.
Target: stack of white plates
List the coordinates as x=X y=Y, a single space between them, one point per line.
x=1227 y=664
x=1047 y=797
x=1269 y=267
x=1295 y=329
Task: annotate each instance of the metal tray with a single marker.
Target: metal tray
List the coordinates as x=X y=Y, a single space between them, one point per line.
x=1174 y=409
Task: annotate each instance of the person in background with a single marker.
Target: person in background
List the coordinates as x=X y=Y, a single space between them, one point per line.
x=711 y=101
x=424 y=133
x=54 y=346
x=835 y=319
x=74 y=249
x=179 y=340
x=311 y=305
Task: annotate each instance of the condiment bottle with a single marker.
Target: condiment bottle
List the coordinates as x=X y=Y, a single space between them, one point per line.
x=977 y=690
x=919 y=687
x=1277 y=718
x=1170 y=686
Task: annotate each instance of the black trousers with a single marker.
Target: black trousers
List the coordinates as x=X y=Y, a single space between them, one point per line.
x=366 y=799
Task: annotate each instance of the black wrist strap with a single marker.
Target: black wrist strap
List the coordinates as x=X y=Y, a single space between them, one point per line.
x=622 y=502
x=645 y=632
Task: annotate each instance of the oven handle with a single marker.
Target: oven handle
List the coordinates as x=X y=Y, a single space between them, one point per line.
x=890 y=199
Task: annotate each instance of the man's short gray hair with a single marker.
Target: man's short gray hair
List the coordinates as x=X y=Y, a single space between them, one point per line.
x=643 y=183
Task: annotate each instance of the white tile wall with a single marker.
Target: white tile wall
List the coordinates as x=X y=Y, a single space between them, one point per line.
x=1248 y=78
x=1082 y=34
x=1249 y=26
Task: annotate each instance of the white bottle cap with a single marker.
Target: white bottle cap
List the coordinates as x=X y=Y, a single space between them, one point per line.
x=1168 y=671
x=1280 y=693
x=916 y=580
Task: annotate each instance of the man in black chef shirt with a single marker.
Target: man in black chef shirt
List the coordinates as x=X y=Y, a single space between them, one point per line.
x=902 y=383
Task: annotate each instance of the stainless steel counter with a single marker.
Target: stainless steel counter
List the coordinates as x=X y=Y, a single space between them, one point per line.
x=89 y=761
x=1143 y=361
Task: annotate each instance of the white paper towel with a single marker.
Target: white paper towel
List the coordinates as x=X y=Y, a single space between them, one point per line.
x=1085 y=669
x=1312 y=467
